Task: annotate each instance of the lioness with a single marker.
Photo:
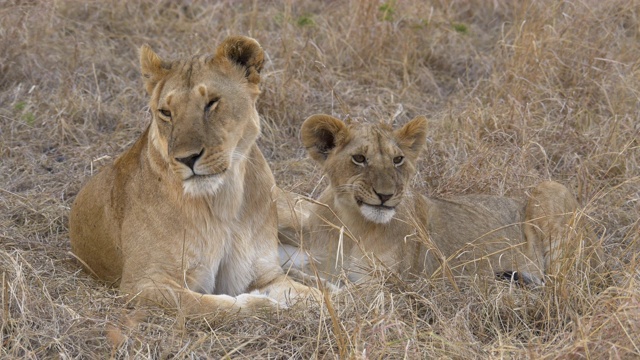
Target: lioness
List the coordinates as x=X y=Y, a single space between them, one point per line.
x=185 y=217
x=370 y=216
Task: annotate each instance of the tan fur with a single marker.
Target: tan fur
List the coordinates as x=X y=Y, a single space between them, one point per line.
x=486 y=235
x=185 y=217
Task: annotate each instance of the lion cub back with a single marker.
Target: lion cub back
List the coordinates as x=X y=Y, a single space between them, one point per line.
x=481 y=234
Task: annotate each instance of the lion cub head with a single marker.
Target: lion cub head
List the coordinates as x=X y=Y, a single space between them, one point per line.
x=369 y=165
x=204 y=116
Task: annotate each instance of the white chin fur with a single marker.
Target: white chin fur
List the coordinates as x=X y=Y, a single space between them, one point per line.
x=197 y=186
x=377 y=214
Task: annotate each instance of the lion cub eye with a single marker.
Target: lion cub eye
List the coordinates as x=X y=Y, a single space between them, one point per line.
x=398 y=160
x=165 y=113
x=358 y=159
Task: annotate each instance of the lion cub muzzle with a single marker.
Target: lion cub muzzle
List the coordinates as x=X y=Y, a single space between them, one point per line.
x=378 y=207
x=378 y=200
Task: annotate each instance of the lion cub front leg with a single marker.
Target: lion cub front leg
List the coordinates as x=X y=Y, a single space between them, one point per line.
x=550 y=224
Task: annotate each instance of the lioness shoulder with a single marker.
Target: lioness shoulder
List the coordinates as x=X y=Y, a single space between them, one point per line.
x=369 y=215
x=184 y=218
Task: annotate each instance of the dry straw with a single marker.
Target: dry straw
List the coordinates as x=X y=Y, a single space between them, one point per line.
x=516 y=92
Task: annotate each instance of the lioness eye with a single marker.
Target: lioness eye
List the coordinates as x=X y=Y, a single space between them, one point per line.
x=165 y=113
x=398 y=160
x=358 y=159
x=210 y=104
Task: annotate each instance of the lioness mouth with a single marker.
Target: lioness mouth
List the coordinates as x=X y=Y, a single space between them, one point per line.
x=197 y=184
x=201 y=177
x=195 y=176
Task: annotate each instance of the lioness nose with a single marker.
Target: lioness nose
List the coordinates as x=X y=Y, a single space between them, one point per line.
x=384 y=197
x=190 y=160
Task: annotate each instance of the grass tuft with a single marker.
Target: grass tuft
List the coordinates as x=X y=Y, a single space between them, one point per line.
x=535 y=91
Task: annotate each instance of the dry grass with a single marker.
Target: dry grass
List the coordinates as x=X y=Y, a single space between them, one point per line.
x=516 y=92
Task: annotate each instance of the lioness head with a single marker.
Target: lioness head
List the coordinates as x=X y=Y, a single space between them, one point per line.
x=369 y=165
x=204 y=116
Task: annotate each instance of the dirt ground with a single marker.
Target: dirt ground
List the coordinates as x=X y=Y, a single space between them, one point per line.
x=516 y=92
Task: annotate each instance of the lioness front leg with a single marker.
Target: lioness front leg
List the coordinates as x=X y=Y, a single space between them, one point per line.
x=169 y=294
x=286 y=291
x=273 y=283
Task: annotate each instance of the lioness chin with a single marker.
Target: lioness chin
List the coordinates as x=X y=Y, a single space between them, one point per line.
x=369 y=216
x=185 y=217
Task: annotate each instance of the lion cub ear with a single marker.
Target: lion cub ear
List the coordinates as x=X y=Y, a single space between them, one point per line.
x=412 y=136
x=243 y=51
x=152 y=67
x=321 y=133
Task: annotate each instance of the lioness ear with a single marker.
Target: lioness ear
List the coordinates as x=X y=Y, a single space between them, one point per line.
x=152 y=67
x=413 y=135
x=321 y=133
x=243 y=51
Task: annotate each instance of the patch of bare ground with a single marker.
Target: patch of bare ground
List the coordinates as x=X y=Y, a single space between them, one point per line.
x=515 y=91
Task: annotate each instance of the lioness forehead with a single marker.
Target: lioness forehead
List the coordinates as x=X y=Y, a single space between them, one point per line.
x=187 y=74
x=189 y=71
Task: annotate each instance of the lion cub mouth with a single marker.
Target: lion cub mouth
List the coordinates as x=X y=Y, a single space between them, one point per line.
x=379 y=214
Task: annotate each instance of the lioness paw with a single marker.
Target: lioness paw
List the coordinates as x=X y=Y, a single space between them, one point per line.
x=250 y=303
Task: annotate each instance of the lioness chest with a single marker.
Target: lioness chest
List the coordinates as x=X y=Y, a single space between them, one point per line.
x=209 y=243
x=214 y=263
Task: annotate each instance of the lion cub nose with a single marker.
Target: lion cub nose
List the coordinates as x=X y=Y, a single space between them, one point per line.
x=190 y=160
x=383 y=197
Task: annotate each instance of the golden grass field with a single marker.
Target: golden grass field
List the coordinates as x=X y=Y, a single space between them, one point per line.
x=515 y=92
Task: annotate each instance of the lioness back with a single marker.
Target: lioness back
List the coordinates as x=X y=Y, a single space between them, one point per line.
x=184 y=218
x=94 y=228
x=369 y=215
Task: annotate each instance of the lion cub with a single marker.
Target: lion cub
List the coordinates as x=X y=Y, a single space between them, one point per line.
x=185 y=217
x=369 y=216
